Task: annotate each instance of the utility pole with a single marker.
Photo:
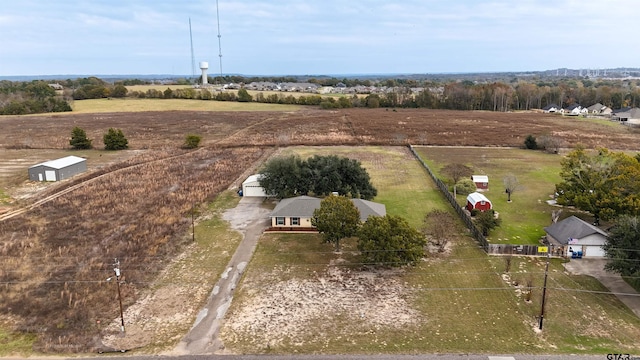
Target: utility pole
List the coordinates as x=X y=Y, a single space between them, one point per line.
x=116 y=270
x=544 y=287
x=193 y=224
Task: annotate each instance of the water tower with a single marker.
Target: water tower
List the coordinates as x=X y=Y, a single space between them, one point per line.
x=204 y=66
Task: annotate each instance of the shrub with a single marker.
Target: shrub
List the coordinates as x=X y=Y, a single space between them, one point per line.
x=79 y=139
x=114 y=139
x=465 y=187
x=530 y=142
x=192 y=141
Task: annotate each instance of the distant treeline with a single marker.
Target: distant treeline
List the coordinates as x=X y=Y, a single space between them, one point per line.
x=516 y=94
x=20 y=98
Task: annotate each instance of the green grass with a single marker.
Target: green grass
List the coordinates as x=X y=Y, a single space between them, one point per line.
x=466 y=302
x=134 y=105
x=523 y=219
x=403 y=185
x=12 y=344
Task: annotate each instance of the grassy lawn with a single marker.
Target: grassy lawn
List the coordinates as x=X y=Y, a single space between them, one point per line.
x=133 y=105
x=403 y=185
x=523 y=219
x=466 y=302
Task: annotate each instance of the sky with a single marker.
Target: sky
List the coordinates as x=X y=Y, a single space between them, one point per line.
x=315 y=37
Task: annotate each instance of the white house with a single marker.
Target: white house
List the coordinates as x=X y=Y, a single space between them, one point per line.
x=575 y=235
x=251 y=187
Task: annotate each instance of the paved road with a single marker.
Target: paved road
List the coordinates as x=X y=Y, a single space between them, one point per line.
x=374 y=357
x=251 y=219
x=612 y=281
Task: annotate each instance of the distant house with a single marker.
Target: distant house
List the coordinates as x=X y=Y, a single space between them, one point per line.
x=628 y=115
x=599 y=109
x=551 y=108
x=574 y=234
x=294 y=214
x=56 y=170
x=56 y=86
x=251 y=187
x=478 y=201
x=572 y=110
x=481 y=181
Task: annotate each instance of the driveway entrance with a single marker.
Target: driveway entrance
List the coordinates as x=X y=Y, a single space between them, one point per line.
x=612 y=281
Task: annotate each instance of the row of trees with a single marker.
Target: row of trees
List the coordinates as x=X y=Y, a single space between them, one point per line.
x=113 y=139
x=290 y=176
x=383 y=241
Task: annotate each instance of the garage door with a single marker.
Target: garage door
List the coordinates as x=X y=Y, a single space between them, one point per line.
x=50 y=175
x=594 y=251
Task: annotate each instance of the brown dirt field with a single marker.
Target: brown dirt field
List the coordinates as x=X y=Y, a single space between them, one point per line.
x=316 y=127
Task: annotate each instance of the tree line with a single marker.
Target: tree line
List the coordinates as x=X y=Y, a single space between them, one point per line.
x=21 y=98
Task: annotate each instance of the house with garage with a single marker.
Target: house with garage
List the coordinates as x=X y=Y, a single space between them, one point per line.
x=481 y=181
x=577 y=238
x=627 y=115
x=478 y=201
x=251 y=187
x=59 y=169
x=294 y=214
x=599 y=109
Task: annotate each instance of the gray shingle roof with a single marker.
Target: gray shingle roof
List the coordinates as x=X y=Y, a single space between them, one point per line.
x=572 y=227
x=303 y=206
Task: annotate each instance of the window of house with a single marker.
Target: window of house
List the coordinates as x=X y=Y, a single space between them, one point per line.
x=482 y=202
x=295 y=221
x=279 y=220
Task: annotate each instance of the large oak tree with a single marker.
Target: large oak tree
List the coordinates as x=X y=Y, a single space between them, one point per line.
x=604 y=183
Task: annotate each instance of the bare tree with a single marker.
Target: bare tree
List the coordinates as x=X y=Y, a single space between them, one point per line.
x=437 y=227
x=550 y=144
x=457 y=171
x=510 y=185
x=507 y=263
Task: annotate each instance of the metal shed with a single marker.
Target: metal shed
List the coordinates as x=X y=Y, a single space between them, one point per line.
x=59 y=169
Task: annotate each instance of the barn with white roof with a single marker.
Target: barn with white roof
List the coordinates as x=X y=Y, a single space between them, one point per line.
x=59 y=169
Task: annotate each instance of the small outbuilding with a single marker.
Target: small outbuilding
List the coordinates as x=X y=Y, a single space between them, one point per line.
x=478 y=201
x=251 y=187
x=59 y=169
x=481 y=181
x=575 y=236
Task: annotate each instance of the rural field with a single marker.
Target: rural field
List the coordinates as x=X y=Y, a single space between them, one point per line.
x=136 y=206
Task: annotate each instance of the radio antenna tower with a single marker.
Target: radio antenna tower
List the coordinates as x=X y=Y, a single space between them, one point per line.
x=219 y=42
x=193 y=58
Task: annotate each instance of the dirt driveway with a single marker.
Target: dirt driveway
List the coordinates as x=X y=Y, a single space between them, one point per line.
x=249 y=218
x=612 y=281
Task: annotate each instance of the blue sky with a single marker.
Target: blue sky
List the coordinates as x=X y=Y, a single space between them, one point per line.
x=276 y=37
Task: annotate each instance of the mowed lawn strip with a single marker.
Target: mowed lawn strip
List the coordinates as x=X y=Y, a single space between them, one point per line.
x=137 y=105
x=524 y=218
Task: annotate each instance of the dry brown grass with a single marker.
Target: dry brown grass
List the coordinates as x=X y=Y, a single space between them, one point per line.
x=54 y=261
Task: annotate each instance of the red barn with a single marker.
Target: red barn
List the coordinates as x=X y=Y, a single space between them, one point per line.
x=478 y=201
x=481 y=181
